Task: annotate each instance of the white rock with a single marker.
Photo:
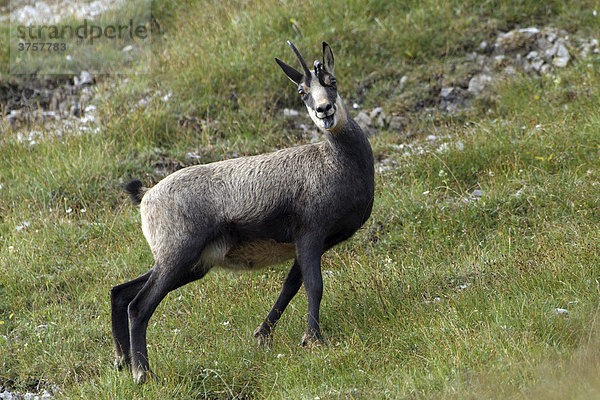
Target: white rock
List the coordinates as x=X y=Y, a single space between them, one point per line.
x=85 y=78
x=537 y=64
x=560 y=311
x=376 y=112
x=562 y=56
x=446 y=92
x=532 y=54
x=288 y=112
x=530 y=31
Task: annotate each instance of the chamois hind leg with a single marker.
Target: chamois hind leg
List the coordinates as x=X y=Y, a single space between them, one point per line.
x=164 y=278
x=120 y=297
x=292 y=283
x=309 y=249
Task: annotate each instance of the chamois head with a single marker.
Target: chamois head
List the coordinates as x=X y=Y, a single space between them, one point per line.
x=318 y=89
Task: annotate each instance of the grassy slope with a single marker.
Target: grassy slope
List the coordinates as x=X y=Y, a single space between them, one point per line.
x=394 y=313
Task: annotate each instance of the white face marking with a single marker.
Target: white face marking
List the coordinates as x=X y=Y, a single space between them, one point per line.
x=325 y=120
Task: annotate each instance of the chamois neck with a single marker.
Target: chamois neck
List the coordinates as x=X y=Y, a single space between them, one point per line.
x=347 y=132
x=349 y=142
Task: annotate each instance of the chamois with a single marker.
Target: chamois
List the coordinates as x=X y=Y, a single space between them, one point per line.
x=250 y=212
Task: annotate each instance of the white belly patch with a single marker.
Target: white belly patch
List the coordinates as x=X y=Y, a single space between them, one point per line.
x=248 y=255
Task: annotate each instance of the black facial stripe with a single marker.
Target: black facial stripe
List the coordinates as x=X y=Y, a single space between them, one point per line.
x=331 y=95
x=307 y=80
x=310 y=102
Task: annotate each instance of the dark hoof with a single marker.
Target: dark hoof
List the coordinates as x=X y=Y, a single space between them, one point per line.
x=311 y=340
x=140 y=376
x=122 y=363
x=263 y=336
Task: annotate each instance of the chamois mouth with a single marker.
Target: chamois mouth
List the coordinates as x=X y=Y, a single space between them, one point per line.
x=328 y=121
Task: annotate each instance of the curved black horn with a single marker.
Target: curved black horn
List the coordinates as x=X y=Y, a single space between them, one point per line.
x=304 y=67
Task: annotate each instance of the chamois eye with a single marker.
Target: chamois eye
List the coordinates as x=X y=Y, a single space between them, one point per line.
x=301 y=92
x=332 y=81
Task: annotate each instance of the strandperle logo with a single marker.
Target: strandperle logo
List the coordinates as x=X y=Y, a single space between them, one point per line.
x=116 y=39
x=86 y=31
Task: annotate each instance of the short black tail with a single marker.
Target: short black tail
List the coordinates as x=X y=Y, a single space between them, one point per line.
x=135 y=190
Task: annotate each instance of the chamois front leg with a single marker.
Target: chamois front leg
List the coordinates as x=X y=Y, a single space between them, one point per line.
x=292 y=283
x=309 y=249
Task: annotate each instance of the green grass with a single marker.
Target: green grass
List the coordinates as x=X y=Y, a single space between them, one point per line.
x=438 y=296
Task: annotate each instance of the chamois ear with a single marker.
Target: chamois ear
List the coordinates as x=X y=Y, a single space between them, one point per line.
x=328 y=58
x=291 y=72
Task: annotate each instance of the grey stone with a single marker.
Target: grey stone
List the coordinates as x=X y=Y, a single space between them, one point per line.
x=537 y=64
x=364 y=121
x=397 y=123
x=84 y=78
x=550 y=52
x=447 y=92
x=378 y=117
x=532 y=54
x=478 y=83
x=562 y=56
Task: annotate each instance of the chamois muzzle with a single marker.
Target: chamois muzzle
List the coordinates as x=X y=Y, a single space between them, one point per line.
x=326 y=113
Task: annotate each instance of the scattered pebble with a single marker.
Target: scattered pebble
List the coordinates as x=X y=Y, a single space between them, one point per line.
x=477 y=194
x=22 y=226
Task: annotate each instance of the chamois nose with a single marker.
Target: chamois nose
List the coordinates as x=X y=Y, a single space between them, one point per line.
x=324 y=108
